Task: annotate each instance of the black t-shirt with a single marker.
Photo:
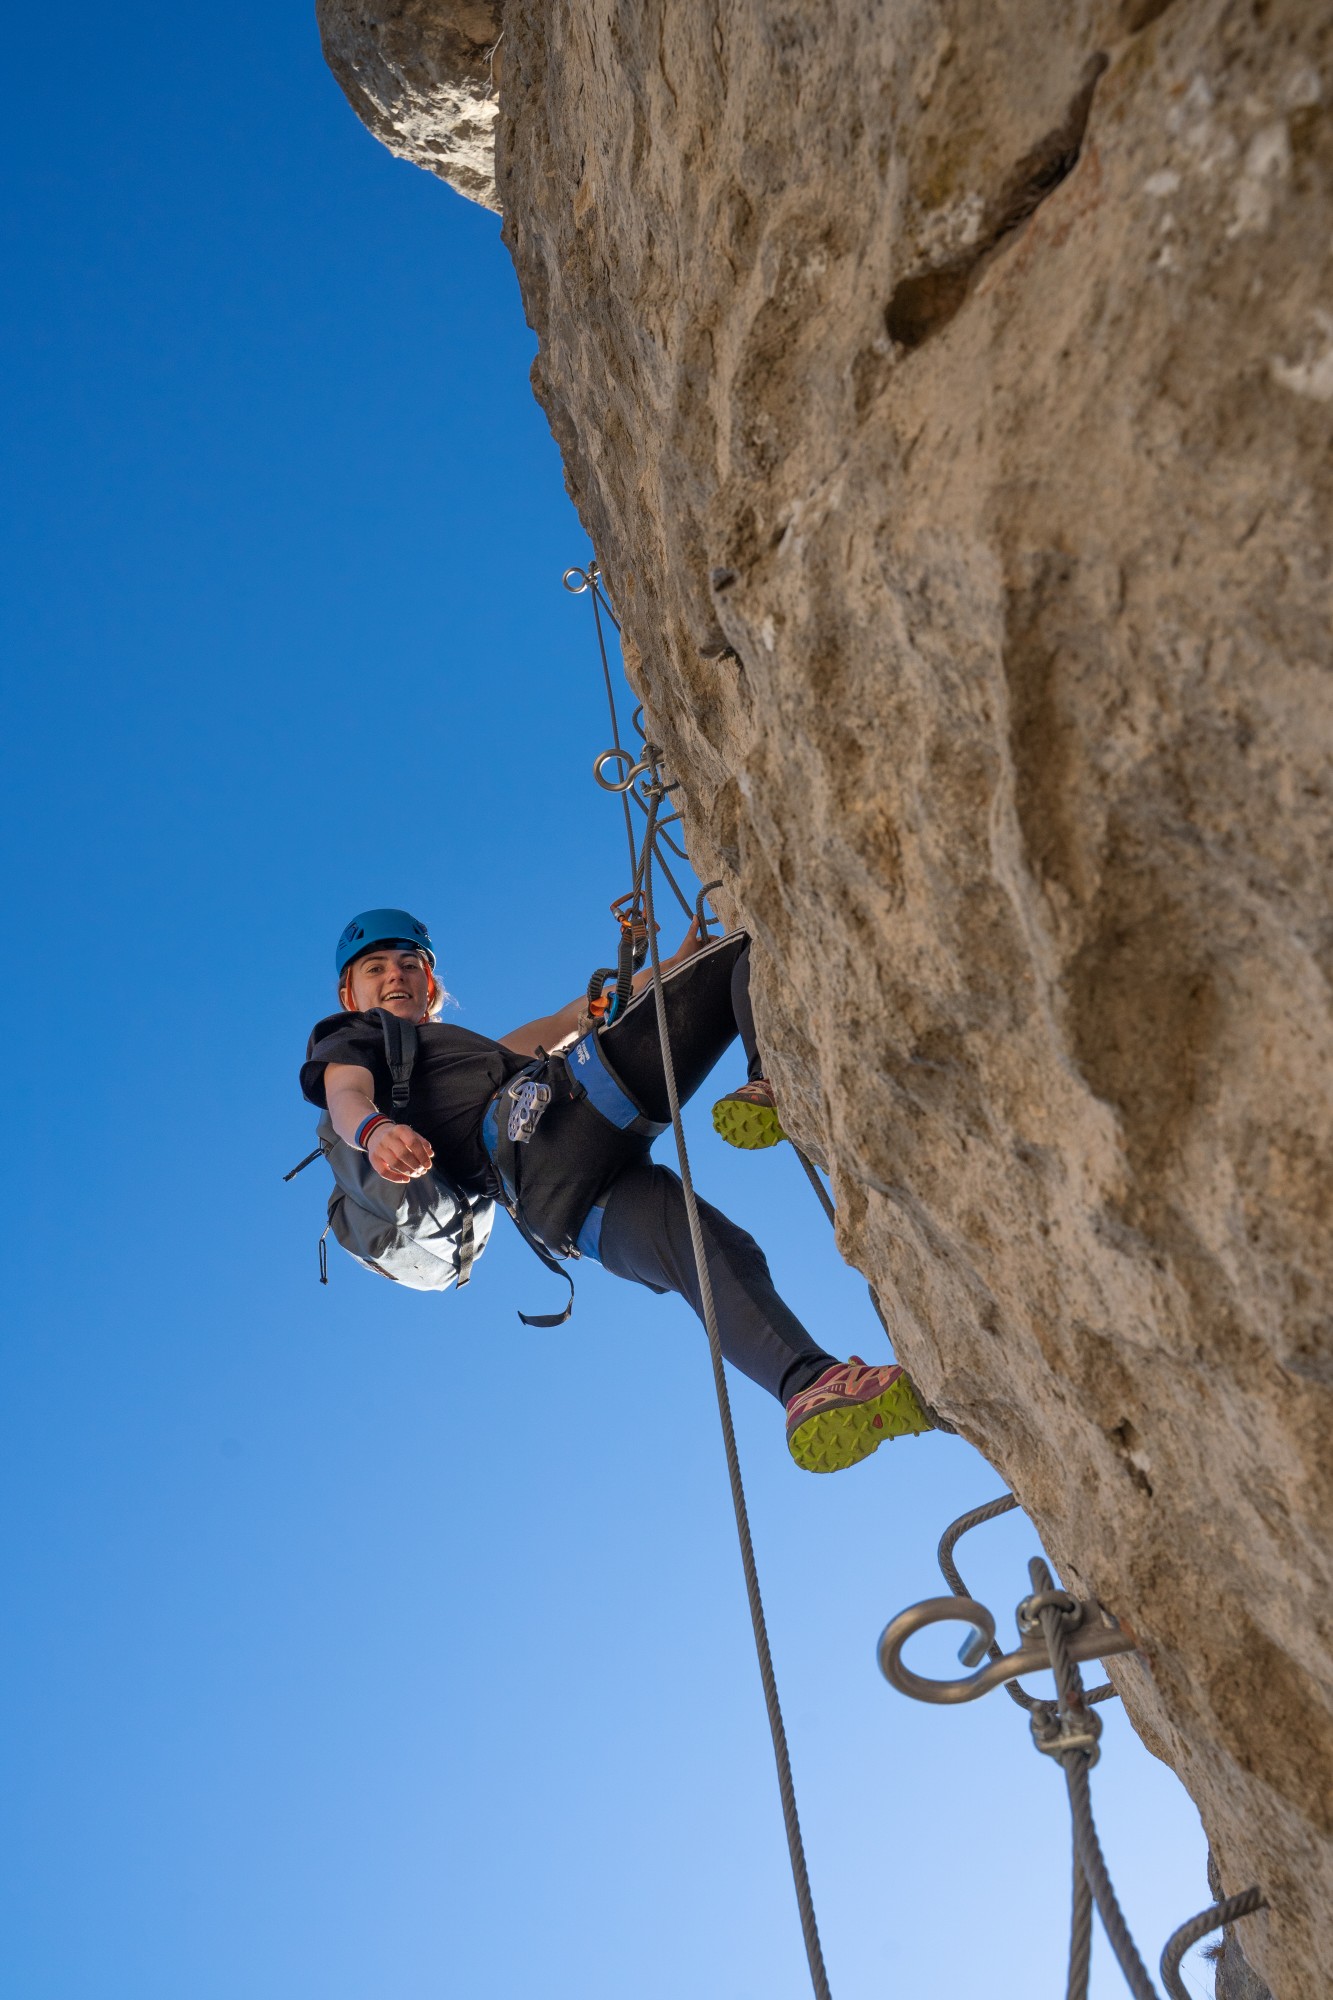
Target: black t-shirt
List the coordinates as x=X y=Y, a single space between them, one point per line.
x=454 y=1078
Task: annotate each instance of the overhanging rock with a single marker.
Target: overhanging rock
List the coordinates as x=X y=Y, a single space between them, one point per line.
x=421 y=74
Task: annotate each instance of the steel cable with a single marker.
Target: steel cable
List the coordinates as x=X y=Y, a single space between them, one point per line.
x=954 y=1533
x=953 y=1576
x=1179 y=1942
x=678 y=892
x=825 y=1201
x=812 y=1175
x=590 y=580
x=1080 y=1934
x=1067 y=1730
x=641 y=866
x=1099 y=1880
x=610 y=691
x=1076 y=1760
x=786 y=1785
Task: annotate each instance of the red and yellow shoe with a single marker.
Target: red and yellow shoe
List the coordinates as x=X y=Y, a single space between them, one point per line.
x=848 y=1412
x=748 y=1117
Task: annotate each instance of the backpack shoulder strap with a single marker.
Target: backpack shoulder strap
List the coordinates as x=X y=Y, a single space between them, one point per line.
x=400 y=1052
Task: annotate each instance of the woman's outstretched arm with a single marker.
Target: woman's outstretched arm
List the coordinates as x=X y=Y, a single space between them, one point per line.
x=552 y=1029
x=396 y=1152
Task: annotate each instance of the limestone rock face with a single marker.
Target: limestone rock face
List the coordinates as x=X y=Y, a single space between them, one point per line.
x=968 y=371
x=421 y=75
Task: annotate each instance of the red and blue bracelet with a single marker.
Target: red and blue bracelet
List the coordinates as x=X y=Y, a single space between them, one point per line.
x=367 y=1126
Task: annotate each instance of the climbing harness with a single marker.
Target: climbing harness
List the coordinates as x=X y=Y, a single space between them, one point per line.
x=1057 y=1633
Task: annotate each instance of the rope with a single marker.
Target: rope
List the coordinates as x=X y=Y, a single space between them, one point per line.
x=1068 y=1730
x=786 y=1786
x=1074 y=1744
x=954 y=1533
x=1093 y=1862
x=953 y=1576
x=641 y=868
x=588 y=580
x=576 y=581
x=642 y=858
x=1080 y=1935
x=1179 y=1942
x=825 y=1199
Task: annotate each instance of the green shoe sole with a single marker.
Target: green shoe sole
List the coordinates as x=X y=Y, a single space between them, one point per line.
x=836 y=1438
x=749 y=1126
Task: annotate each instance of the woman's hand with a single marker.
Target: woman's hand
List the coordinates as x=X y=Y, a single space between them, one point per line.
x=397 y=1153
x=554 y=1029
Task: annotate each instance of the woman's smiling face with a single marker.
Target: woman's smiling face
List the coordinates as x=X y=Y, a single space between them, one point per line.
x=398 y=981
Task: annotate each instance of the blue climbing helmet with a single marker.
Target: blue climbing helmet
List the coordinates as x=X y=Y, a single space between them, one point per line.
x=372 y=927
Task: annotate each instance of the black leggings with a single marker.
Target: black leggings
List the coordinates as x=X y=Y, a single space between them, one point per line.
x=743 y=1015
x=641 y=1231
x=639 y=1228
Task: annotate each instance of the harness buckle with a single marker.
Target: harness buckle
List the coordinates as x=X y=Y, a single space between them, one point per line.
x=528 y=1100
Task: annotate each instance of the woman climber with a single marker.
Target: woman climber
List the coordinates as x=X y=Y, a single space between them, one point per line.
x=572 y=1165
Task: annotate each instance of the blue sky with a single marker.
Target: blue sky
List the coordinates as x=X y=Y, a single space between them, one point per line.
x=361 y=1645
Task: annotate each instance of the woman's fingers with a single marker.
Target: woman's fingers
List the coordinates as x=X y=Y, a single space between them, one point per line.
x=397 y=1153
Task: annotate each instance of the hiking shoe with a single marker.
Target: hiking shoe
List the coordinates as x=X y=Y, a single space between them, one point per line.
x=748 y=1117
x=848 y=1412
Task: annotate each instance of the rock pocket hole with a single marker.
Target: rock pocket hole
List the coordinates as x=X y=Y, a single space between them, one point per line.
x=924 y=303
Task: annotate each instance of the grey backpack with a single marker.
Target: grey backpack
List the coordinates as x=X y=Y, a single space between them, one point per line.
x=425 y=1233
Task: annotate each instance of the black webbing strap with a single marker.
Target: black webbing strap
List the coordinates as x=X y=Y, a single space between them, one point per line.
x=301 y=1165
x=540 y=1250
x=467 y=1240
x=504 y=1156
x=400 y=1052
